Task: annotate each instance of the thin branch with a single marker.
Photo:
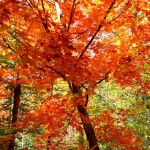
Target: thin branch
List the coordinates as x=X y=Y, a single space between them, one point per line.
x=87 y=99
x=109 y=9
x=35 y=8
x=69 y=120
x=51 y=2
x=98 y=29
x=8 y=45
x=91 y=40
x=98 y=82
x=11 y=34
x=40 y=69
x=21 y=56
x=101 y=80
x=72 y=13
x=87 y=96
x=62 y=75
x=29 y=2
x=119 y=15
x=104 y=78
x=84 y=87
x=43 y=5
x=45 y=23
x=79 y=33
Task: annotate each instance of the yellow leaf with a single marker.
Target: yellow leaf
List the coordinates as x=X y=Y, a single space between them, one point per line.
x=118 y=43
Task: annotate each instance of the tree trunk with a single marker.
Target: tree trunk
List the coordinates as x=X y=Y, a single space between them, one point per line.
x=17 y=93
x=88 y=128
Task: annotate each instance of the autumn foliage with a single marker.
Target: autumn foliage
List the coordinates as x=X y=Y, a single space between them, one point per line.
x=82 y=42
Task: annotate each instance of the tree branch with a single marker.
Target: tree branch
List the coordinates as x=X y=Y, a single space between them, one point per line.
x=43 y=5
x=11 y=34
x=69 y=120
x=119 y=14
x=98 y=29
x=72 y=13
x=104 y=78
x=87 y=99
x=63 y=76
x=8 y=46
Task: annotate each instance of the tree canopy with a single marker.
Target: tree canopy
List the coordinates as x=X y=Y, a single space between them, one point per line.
x=75 y=45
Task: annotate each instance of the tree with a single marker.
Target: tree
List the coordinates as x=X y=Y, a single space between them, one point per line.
x=13 y=90
x=82 y=42
x=17 y=93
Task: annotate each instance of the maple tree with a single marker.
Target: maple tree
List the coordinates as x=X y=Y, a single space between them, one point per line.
x=79 y=41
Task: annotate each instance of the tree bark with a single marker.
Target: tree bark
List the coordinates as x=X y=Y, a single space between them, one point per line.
x=17 y=94
x=88 y=128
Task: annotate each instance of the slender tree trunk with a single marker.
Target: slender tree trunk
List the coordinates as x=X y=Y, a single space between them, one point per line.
x=17 y=93
x=148 y=125
x=88 y=128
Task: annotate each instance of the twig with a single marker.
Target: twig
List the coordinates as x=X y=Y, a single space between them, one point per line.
x=11 y=34
x=98 y=29
x=43 y=5
x=62 y=75
x=69 y=120
x=72 y=13
x=118 y=15
x=87 y=99
x=104 y=78
x=8 y=45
